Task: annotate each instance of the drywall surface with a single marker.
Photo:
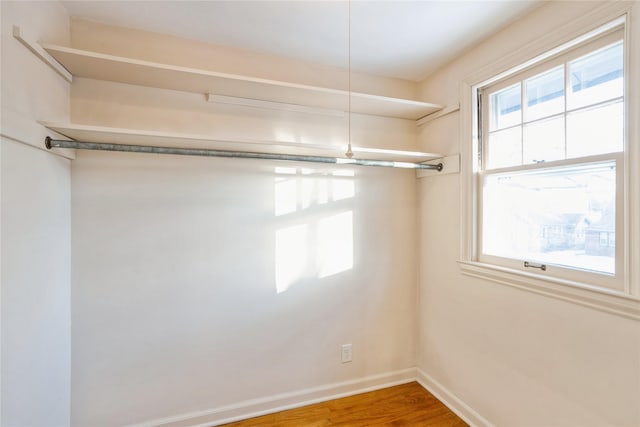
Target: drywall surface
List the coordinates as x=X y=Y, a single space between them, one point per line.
x=515 y=358
x=206 y=288
x=35 y=287
x=31 y=90
x=35 y=227
x=201 y=282
x=102 y=103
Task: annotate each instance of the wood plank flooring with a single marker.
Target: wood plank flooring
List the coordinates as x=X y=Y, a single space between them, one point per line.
x=403 y=405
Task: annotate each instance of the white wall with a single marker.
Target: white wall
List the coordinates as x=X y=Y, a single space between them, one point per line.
x=514 y=357
x=180 y=303
x=35 y=225
x=176 y=307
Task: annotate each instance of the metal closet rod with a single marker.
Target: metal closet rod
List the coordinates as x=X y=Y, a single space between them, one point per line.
x=129 y=148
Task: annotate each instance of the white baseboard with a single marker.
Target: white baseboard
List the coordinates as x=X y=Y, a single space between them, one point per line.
x=280 y=402
x=256 y=407
x=452 y=401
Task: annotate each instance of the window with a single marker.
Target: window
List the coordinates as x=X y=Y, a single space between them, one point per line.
x=550 y=173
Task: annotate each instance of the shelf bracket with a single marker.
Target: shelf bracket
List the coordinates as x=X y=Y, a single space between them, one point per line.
x=42 y=54
x=446 y=110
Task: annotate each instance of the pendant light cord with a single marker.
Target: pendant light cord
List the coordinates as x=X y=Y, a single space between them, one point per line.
x=349 y=152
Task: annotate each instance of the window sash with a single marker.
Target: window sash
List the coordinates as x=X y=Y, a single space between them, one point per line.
x=563 y=59
x=600 y=280
x=604 y=280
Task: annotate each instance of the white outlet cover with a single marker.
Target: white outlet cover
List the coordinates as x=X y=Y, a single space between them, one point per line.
x=347 y=353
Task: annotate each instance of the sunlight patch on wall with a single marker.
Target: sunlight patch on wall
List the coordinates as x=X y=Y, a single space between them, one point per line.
x=285 y=192
x=291 y=256
x=335 y=244
x=300 y=190
x=342 y=188
x=315 y=242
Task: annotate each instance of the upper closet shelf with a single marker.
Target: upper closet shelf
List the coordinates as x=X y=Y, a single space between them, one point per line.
x=110 y=135
x=120 y=69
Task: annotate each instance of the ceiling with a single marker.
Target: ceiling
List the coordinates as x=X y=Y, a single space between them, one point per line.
x=394 y=38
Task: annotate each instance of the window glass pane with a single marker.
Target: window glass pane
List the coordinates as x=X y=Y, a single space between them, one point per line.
x=544 y=140
x=504 y=148
x=545 y=94
x=563 y=216
x=597 y=130
x=505 y=108
x=596 y=77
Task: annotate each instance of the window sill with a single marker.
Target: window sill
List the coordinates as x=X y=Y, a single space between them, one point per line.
x=601 y=299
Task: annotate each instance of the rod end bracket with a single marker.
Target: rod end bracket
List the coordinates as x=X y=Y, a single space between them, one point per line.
x=440 y=166
x=47 y=142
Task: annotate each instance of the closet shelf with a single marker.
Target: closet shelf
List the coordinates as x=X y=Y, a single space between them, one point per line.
x=89 y=133
x=100 y=66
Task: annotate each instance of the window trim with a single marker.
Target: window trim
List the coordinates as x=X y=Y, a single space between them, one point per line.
x=625 y=303
x=594 y=297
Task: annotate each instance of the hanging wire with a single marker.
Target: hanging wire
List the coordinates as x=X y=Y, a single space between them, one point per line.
x=349 y=152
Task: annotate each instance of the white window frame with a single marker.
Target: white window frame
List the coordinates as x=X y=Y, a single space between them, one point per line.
x=625 y=302
x=615 y=281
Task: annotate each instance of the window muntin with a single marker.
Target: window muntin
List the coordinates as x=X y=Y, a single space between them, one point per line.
x=550 y=171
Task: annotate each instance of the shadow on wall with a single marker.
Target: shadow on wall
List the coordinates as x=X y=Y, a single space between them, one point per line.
x=314 y=224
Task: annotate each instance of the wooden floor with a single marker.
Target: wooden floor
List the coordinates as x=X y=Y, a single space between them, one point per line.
x=403 y=405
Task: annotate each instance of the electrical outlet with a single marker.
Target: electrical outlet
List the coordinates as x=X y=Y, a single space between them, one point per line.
x=347 y=353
